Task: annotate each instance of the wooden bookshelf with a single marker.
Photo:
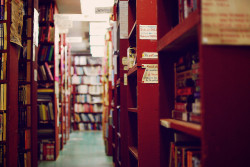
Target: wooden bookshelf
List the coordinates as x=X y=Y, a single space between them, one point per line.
x=46 y=64
x=215 y=130
x=84 y=107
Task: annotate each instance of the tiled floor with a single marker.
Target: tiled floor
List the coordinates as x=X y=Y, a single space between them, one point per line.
x=84 y=149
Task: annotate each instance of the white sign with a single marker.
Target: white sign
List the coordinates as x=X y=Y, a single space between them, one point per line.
x=103 y=10
x=123 y=5
x=150 y=55
x=150 y=74
x=36 y=27
x=35 y=75
x=148 y=32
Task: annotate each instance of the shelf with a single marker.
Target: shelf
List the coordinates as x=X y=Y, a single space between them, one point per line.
x=186 y=127
x=88 y=103
x=132 y=31
x=133 y=151
x=87 y=84
x=24 y=60
x=132 y=71
x=23 y=82
x=181 y=35
x=88 y=65
x=44 y=82
x=44 y=100
x=3 y=81
x=47 y=122
x=88 y=112
x=86 y=122
x=46 y=43
x=134 y=110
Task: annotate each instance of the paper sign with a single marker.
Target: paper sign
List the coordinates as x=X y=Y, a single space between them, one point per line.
x=36 y=27
x=125 y=79
x=150 y=74
x=148 y=32
x=35 y=75
x=124 y=61
x=150 y=55
x=125 y=68
x=226 y=22
x=123 y=5
x=103 y=10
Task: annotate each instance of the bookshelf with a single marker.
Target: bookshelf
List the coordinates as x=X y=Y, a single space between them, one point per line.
x=64 y=89
x=47 y=100
x=86 y=92
x=27 y=87
x=9 y=91
x=142 y=83
x=215 y=68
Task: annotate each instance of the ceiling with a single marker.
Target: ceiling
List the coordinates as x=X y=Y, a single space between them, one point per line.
x=79 y=28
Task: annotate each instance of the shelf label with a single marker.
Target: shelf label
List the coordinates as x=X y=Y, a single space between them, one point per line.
x=148 y=32
x=226 y=22
x=125 y=79
x=150 y=55
x=150 y=74
x=123 y=5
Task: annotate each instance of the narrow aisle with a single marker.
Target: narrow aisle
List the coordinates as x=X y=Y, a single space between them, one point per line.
x=84 y=149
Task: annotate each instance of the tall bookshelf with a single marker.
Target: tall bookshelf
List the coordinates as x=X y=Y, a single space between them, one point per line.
x=223 y=88
x=87 y=92
x=48 y=141
x=142 y=83
x=63 y=68
x=27 y=87
x=9 y=91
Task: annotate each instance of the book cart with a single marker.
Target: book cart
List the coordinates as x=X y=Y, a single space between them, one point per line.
x=48 y=84
x=203 y=64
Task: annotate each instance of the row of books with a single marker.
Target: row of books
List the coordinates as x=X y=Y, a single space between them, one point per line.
x=3 y=96
x=47 y=150
x=187 y=88
x=24 y=94
x=88 y=70
x=88 y=108
x=46 y=33
x=3 y=36
x=91 y=89
x=46 y=112
x=24 y=117
x=46 y=12
x=24 y=159
x=2 y=126
x=185 y=8
x=84 y=60
x=94 y=80
x=25 y=139
x=89 y=126
x=3 y=63
x=88 y=118
x=46 y=72
x=88 y=99
x=46 y=53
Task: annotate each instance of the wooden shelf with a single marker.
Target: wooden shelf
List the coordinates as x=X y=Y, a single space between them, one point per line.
x=88 y=112
x=186 y=127
x=134 y=110
x=133 y=31
x=86 y=122
x=132 y=71
x=44 y=82
x=23 y=82
x=184 y=33
x=133 y=151
x=3 y=81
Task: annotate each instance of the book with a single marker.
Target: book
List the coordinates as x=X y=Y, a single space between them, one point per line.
x=49 y=73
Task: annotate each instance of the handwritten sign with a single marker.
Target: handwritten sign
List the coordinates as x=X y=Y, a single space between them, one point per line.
x=125 y=79
x=150 y=74
x=226 y=22
x=148 y=32
x=124 y=61
x=150 y=55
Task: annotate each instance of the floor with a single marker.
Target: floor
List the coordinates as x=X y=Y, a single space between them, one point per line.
x=84 y=149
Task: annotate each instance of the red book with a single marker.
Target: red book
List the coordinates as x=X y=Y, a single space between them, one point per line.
x=49 y=71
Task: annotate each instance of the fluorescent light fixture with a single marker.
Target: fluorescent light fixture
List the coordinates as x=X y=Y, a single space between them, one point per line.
x=97 y=40
x=74 y=39
x=97 y=51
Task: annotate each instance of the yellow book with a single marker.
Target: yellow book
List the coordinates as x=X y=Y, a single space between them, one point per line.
x=4 y=63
